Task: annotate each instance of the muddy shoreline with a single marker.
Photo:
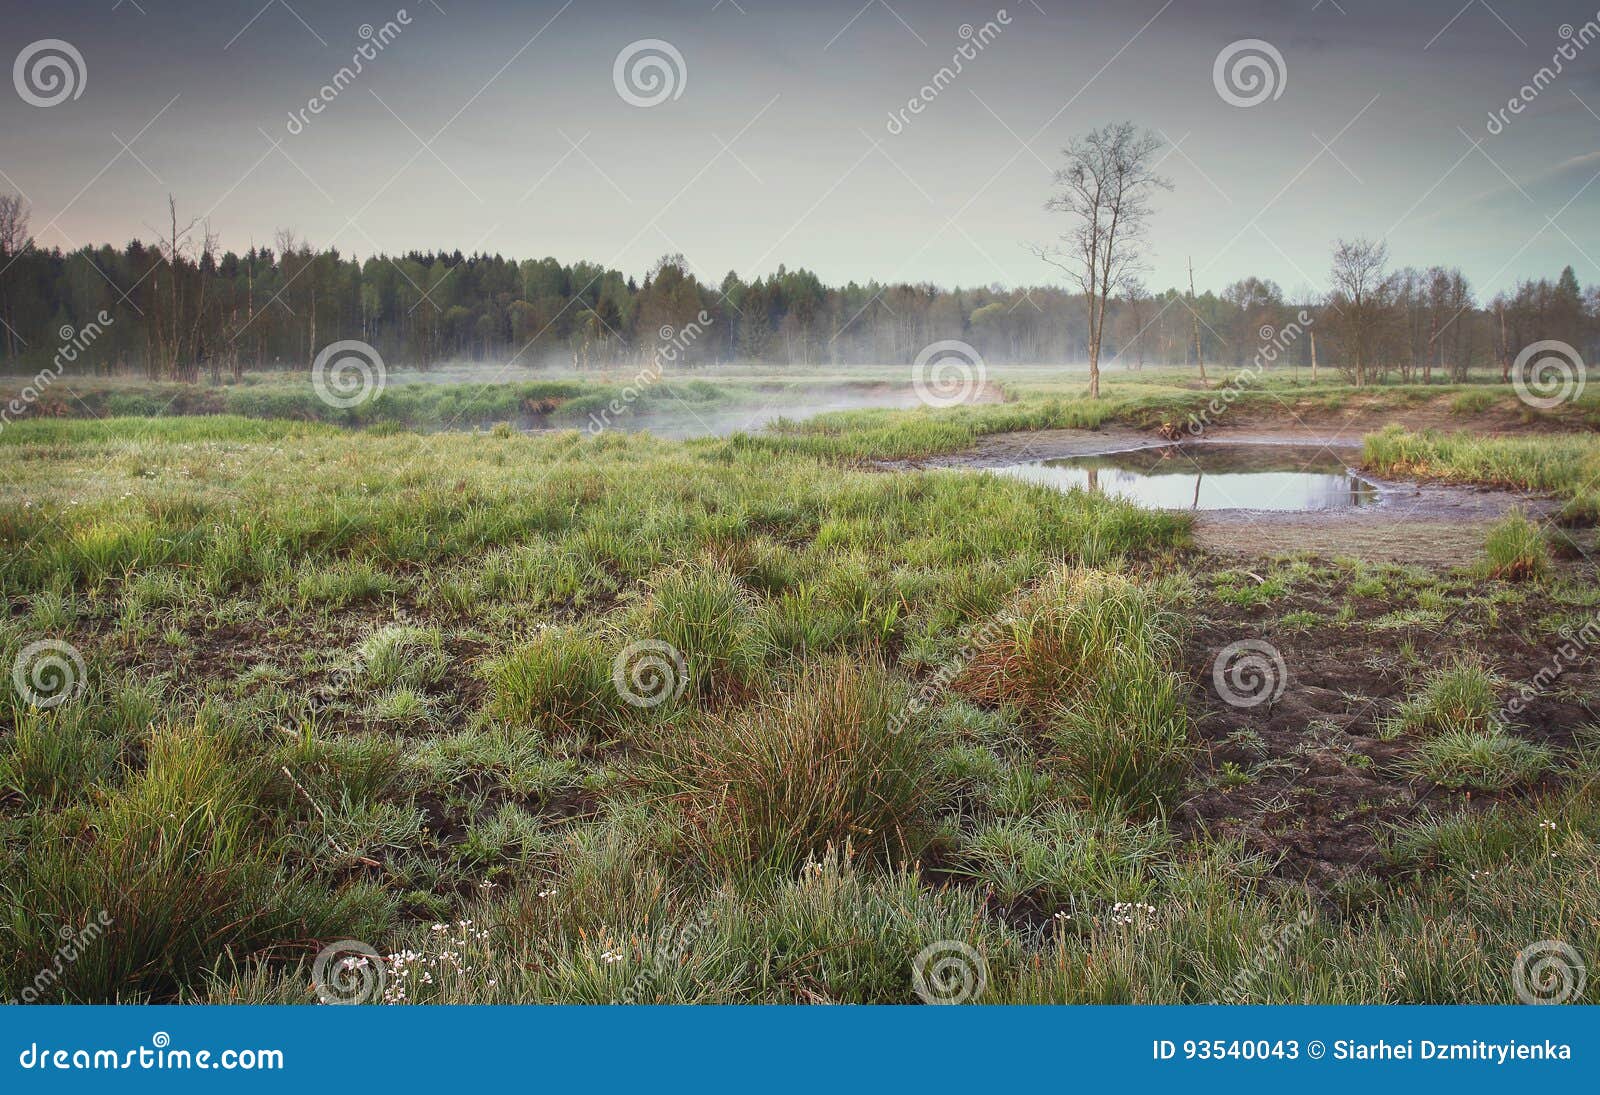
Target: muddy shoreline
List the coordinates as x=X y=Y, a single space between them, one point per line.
x=1423 y=522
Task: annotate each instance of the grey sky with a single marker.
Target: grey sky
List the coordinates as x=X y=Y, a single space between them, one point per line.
x=799 y=93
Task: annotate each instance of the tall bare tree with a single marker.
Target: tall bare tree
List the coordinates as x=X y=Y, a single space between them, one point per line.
x=1362 y=301
x=1104 y=188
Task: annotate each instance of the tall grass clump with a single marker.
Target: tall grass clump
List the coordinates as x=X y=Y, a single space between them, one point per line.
x=1516 y=548
x=1089 y=654
x=711 y=620
x=1459 y=698
x=829 y=761
x=178 y=867
x=1484 y=760
x=404 y=657
x=559 y=681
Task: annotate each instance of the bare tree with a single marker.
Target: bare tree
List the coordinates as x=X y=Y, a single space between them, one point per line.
x=1137 y=298
x=1362 y=297
x=14 y=240
x=1104 y=189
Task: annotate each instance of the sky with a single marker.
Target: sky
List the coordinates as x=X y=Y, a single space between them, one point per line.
x=770 y=135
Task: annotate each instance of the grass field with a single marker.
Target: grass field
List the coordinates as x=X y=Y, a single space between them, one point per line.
x=557 y=717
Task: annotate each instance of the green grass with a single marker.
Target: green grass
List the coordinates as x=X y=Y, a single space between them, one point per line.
x=1459 y=698
x=1565 y=465
x=364 y=684
x=1516 y=548
x=1485 y=760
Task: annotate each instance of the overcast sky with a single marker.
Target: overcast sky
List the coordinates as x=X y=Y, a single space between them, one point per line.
x=499 y=126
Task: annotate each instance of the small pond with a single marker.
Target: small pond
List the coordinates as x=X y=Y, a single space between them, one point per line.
x=1210 y=476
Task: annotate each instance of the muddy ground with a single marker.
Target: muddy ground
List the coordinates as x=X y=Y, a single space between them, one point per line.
x=1307 y=778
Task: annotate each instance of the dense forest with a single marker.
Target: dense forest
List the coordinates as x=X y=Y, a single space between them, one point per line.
x=181 y=309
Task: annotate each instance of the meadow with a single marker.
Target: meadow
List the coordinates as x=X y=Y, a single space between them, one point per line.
x=903 y=733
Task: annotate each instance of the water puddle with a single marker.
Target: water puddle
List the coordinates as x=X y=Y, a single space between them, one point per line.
x=1280 y=478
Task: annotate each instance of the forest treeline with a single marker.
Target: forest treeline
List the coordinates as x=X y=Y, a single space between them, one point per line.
x=182 y=309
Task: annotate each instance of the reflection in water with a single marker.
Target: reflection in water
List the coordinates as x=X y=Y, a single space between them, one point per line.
x=1207 y=476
